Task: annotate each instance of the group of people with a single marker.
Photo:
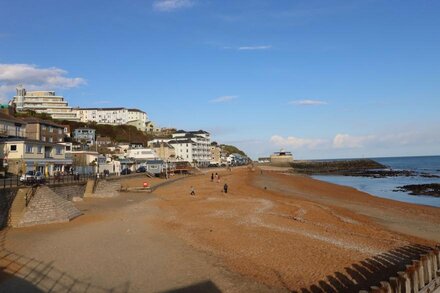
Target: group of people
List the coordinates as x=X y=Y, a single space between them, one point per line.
x=217 y=179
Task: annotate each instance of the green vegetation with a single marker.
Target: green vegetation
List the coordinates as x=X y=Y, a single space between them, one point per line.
x=119 y=133
x=230 y=149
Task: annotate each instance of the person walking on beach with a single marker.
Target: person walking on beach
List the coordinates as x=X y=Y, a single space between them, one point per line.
x=218 y=178
x=212 y=177
x=225 y=188
x=193 y=192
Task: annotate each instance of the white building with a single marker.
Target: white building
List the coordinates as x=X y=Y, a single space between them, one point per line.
x=191 y=146
x=43 y=102
x=141 y=154
x=114 y=116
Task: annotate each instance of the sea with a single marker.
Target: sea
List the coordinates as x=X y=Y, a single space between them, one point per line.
x=384 y=187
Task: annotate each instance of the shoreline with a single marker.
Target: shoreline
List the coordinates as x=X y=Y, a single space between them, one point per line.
x=297 y=234
x=393 y=191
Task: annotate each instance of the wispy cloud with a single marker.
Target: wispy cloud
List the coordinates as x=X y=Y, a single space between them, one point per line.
x=223 y=99
x=250 y=48
x=298 y=142
x=171 y=5
x=350 y=141
x=308 y=102
x=33 y=77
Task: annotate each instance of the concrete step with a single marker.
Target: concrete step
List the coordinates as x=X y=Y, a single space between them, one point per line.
x=89 y=188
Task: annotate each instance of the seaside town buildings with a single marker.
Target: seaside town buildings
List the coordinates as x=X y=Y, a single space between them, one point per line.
x=43 y=130
x=22 y=147
x=190 y=146
x=114 y=116
x=31 y=143
x=43 y=102
x=85 y=135
x=164 y=150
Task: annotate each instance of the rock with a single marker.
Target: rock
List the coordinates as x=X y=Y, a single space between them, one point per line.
x=432 y=189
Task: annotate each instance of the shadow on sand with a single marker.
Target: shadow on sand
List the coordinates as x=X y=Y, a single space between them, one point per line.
x=202 y=287
x=369 y=272
x=19 y=273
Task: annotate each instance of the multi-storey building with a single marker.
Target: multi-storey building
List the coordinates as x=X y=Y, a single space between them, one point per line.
x=114 y=116
x=191 y=146
x=86 y=135
x=43 y=130
x=164 y=150
x=11 y=126
x=43 y=102
x=21 y=155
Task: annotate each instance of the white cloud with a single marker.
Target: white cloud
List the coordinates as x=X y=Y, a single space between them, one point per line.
x=170 y=5
x=223 y=99
x=348 y=141
x=308 y=102
x=297 y=142
x=249 y=48
x=33 y=77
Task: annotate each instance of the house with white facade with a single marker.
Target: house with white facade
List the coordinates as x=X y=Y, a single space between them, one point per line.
x=114 y=116
x=190 y=146
x=43 y=102
x=141 y=154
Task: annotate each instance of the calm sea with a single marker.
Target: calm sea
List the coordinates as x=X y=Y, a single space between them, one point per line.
x=383 y=187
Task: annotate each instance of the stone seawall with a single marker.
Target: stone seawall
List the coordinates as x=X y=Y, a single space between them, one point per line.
x=6 y=198
x=69 y=191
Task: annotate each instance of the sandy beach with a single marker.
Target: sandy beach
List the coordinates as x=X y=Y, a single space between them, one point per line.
x=272 y=232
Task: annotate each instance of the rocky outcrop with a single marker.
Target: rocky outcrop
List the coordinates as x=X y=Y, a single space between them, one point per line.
x=432 y=189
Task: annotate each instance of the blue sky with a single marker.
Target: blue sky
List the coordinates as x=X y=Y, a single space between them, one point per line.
x=323 y=79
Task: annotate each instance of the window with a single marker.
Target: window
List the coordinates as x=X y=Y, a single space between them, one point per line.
x=40 y=149
x=50 y=129
x=67 y=147
x=50 y=139
x=60 y=131
x=29 y=148
x=13 y=148
x=43 y=138
x=43 y=127
x=59 y=151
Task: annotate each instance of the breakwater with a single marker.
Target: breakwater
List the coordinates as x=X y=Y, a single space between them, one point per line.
x=339 y=167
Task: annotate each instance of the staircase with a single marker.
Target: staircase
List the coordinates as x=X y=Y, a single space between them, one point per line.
x=90 y=186
x=18 y=206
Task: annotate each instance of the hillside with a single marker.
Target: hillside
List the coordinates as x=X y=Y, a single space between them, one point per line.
x=119 y=133
x=230 y=149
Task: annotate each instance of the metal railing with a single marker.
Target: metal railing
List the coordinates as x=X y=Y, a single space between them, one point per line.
x=17 y=181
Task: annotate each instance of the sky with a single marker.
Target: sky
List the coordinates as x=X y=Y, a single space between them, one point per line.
x=320 y=78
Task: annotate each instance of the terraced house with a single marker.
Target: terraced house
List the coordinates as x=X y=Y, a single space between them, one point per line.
x=21 y=155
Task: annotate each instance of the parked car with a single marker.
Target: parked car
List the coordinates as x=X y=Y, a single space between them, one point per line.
x=32 y=177
x=125 y=171
x=141 y=169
